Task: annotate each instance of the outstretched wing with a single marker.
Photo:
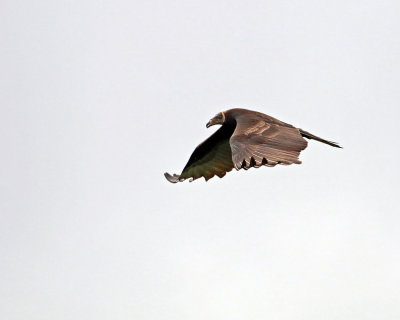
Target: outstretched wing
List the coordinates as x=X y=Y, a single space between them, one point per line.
x=211 y=157
x=259 y=141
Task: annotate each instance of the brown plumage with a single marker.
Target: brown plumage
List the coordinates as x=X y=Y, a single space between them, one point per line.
x=246 y=139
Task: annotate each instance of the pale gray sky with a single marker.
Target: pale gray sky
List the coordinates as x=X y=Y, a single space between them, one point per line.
x=99 y=98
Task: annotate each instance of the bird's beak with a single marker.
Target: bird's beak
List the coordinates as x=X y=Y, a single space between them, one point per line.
x=208 y=124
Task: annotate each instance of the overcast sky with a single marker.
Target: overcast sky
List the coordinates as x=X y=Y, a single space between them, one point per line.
x=99 y=98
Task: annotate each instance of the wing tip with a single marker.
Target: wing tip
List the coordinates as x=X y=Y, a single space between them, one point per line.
x=171 y=178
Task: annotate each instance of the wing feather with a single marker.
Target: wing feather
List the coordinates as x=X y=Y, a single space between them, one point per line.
x=211 y=157
x=257 y=141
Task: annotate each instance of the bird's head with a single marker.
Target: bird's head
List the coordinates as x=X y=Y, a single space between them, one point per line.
x=218 y=119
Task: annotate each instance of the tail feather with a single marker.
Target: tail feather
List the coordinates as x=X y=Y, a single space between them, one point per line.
x=308 y=135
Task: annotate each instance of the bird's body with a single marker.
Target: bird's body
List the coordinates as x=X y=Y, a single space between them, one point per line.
x=246 y=139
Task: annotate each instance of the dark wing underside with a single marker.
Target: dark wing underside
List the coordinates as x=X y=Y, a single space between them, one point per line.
x=258 y=141
x=212 y=157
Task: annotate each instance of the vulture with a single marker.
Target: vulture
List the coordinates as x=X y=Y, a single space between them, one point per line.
x=245 y=139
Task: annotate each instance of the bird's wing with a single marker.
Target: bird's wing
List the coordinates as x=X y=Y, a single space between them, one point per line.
x=211 y=157
x=259 y=141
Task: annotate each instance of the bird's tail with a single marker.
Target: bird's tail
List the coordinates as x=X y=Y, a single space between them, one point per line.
x=308 y=135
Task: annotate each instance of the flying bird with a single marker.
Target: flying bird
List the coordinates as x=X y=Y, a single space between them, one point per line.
x=245 y=139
